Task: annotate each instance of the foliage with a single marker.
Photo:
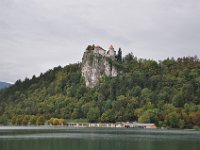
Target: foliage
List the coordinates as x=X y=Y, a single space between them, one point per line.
x=93 y=114
x=108 y=116
x=40 y=120
x=166 y=93
x=56 y=121
x=119 y=55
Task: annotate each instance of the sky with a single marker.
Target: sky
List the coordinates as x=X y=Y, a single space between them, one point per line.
x=37 y=35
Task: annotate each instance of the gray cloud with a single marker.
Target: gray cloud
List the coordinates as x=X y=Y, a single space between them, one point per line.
x=37 y=35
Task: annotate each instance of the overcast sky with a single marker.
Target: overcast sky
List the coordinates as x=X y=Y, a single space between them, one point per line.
x=37 y=35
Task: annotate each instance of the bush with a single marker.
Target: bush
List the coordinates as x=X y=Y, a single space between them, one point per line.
x=56 y=121
x=40 y=120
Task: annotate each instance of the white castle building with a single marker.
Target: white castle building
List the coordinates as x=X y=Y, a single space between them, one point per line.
x=110 y=53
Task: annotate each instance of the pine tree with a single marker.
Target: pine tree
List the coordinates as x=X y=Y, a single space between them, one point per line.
x=119 y=55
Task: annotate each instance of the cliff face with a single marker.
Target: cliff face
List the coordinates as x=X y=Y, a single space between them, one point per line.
x=95 y=65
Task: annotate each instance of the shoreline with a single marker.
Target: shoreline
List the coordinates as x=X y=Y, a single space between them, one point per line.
x=32 y=127
x=105 y=125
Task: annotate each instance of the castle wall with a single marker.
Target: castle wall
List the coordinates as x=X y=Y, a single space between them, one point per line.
x=110 y=53
x=96 y=51
x=102 y=52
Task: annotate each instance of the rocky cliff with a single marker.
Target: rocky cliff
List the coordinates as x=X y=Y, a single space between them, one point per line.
x=97 y=63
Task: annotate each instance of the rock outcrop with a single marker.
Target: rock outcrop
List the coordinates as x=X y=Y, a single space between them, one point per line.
x=97 y=63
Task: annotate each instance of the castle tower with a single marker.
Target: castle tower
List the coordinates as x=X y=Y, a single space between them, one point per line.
x=96 y=49
x=111 y=51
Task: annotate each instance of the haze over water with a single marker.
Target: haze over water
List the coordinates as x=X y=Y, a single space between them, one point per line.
x=63 y=138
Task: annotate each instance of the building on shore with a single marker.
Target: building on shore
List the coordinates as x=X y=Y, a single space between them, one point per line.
x=140 y=125
x=115 y=125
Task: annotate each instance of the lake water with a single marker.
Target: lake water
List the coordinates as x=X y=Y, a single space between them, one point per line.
x=65 y=138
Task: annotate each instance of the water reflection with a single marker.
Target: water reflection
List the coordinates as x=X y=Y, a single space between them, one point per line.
x=51 y=138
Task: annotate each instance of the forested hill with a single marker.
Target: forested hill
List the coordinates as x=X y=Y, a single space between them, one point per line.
x=166 y=93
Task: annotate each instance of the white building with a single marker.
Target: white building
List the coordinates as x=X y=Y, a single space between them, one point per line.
x=110 y=53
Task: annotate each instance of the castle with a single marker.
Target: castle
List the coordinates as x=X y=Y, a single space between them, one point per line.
x=94 y=68
x=99 y=50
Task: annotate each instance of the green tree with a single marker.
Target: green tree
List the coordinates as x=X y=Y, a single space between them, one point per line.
x=93 y=114
x=119 y=55
x=108 y=116
x=25 y=120
x=181 y=123
x=178 y=100
x=172 y=120
x=4 y=120
x=40 y=120
x=149 y=116
x=33 y=120
x=144 y=118
x=13 y=120
x=146 y=93
x=19 y=120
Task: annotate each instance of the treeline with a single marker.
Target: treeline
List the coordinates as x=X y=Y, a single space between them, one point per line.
x=24 y=120
x=166 y=93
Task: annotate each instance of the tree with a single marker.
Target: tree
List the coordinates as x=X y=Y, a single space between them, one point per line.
x=181 y=123
x=146 y=93
x=33 y=120
x=86 y=107
x=128 y=58
x=136 y=91
x=195 y=118
x=25 y=120
x=178 y=100
x=172 y=120
x=188 y=91
x=55 y=121
x=40 y=120
x=19 y=120
x=93 y=114
x=61 y=122
x=149 y=116
x=4 y=120
x=119 y=55
x=144 y=118
x=108 y=116
x=13 y=120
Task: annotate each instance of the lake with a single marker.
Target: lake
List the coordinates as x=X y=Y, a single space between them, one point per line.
x=65 y=138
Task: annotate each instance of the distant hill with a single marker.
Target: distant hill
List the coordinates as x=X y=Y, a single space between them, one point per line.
x=166 y=93
x=4 y=85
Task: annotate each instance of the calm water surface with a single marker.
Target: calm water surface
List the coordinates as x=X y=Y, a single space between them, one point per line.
x=64 y=138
